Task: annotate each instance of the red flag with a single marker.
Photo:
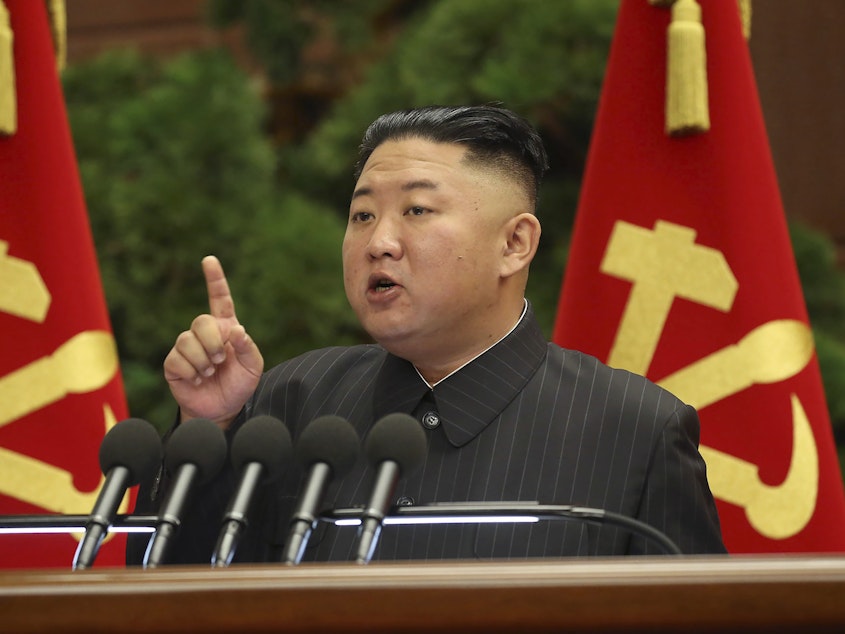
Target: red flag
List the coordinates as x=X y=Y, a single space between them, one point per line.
x=681 y=269
x=60 y=385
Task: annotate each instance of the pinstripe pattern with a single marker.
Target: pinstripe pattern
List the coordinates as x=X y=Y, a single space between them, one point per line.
x=525 y=421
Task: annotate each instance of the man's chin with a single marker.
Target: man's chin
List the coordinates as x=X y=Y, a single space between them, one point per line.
x=396 y=338
x=390 y=338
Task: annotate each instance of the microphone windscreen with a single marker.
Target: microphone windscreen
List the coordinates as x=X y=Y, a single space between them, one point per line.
x=265 y=440
x=397 y=437
x=329 y=439
x=199 y=442
x=132 y=443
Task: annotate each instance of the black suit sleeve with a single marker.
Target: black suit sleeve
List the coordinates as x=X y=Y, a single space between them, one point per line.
x=677 y=498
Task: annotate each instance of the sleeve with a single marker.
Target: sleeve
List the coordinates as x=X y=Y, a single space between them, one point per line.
x=677 y=499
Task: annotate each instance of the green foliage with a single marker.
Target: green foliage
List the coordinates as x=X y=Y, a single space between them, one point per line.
x=478 y=51
x=824 y=291
x=279 y=30
x=822 y=281
x=831 y=353
x=175 y=166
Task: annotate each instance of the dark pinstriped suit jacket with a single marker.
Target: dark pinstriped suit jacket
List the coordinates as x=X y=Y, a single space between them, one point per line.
x=526 y=421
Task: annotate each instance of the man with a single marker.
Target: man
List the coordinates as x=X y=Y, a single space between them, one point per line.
x=440 y=237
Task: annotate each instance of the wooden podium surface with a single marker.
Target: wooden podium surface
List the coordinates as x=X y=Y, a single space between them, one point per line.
x=690 y=594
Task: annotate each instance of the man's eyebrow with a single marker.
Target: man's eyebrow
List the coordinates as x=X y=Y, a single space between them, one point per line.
x=361 y=191
x=419 y=184
x=406 y=187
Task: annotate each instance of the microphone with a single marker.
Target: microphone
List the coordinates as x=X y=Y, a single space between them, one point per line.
x=260 y=452
x=130 y=452
x=328 y=448
x=396 y=446
x=195 y=453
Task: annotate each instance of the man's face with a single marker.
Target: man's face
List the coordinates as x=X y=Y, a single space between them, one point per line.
x=423 y=250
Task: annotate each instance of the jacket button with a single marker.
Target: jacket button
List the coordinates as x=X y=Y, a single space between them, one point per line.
x=431 y=420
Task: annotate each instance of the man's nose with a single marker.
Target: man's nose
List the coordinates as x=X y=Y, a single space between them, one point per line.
x=384 y=240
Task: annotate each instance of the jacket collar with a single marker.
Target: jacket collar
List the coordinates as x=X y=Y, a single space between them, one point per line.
x=474 y=396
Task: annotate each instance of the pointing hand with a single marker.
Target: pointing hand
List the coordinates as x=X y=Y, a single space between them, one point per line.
x=214 y=367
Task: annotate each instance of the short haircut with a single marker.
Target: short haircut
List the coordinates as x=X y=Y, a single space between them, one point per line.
x=495 y=137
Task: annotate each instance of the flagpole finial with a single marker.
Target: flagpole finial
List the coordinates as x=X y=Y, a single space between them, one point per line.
x=8 y=97
x=687 y=110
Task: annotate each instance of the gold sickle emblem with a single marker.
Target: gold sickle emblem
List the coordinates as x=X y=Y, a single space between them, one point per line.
x=776 y=512
x=665 y=263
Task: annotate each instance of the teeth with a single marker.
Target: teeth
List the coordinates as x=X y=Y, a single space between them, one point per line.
x=383 y=285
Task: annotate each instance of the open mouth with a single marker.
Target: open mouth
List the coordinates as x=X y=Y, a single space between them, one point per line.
x=383 y=285
x=380 y=283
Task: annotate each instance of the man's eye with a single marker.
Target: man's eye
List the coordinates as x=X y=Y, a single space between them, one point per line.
x=361 y=216
x=416 y=211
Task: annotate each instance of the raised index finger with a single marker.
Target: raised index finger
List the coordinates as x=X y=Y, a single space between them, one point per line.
x=220 y=302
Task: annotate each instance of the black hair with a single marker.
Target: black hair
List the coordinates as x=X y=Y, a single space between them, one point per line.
x=495 y=137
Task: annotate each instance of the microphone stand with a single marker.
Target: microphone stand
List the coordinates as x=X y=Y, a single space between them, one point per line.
x=501 y=512
x=438 y=513
x=73 y=523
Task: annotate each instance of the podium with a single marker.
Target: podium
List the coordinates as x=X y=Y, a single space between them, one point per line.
x=689 y=594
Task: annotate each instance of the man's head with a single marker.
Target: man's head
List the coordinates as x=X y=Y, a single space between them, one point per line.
x=494 y=137
x=441 y=231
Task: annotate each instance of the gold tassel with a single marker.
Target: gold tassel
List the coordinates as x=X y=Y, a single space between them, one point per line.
x=58 y=29
x=745 y=17
x=687 y=110
x=8 y=98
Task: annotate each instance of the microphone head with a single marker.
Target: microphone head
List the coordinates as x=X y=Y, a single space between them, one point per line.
x=132 y=443
x=397 y=437
x=265 y=440
x=199 y=442
x=329 y=439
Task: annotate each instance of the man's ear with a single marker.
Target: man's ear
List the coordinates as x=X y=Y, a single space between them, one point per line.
x=522 y=236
